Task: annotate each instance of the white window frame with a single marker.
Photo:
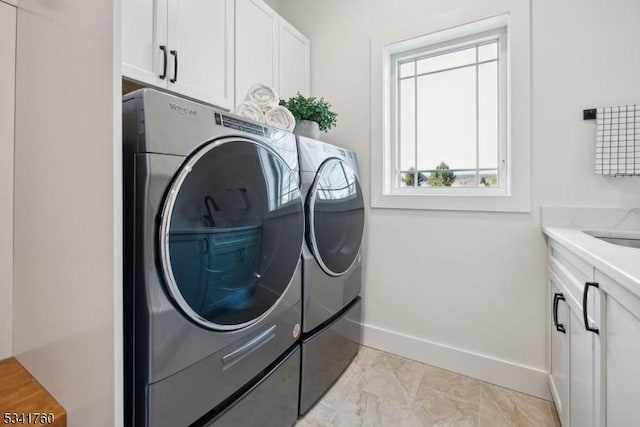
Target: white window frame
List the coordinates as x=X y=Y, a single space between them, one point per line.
x=393 y=178
x=515 y=196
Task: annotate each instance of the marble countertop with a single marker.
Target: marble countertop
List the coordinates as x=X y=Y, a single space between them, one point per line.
x=618 y=262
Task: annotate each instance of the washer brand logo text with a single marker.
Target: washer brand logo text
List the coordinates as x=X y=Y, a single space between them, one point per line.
x=183 y=110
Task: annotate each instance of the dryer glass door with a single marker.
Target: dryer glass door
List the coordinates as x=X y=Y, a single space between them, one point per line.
x=231 y=233
x=336 y=216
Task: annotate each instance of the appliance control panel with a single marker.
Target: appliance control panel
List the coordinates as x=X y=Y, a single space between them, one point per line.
x=239 y=124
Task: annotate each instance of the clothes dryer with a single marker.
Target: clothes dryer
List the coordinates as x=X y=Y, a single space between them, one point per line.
x=332 y=270
x=213 y=231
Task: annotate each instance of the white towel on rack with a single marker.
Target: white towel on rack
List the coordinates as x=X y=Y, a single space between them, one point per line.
x=618 y=140
x=280 y=118
x=250 y=111
x=263 y=96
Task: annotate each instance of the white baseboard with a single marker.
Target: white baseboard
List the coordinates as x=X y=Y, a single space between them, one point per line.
x=554 y=393
x=507 y=374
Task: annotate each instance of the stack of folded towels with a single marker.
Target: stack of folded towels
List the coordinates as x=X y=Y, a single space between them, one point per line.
x=263 y=105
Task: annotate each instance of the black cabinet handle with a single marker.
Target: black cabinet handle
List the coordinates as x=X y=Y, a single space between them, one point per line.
x=585 y=295
x=163 y=76
x=175 y=66
x=559 y=326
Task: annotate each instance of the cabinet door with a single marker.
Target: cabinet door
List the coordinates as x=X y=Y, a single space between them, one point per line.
x=144 y=33
x=7 y=90
x=293 y=69
x=560 y=338
x=256 y=46
x=201 y=50
x=622 y=366
x=584 y=372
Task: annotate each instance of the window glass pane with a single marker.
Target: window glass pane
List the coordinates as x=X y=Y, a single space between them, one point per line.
x=489 y=178
x=407 y=124
x=488 y=114
x=449 y=60
x=407 y=69
x=447 y=119
x=488 y=52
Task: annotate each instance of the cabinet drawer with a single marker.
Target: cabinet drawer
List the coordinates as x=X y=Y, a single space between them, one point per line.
x=573 y=272
x=576 y=266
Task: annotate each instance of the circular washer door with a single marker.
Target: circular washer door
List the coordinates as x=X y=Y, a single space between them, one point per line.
x=231 y=233
x=336 y=216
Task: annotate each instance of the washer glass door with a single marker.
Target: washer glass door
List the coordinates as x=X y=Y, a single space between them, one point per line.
x=231 y=233
x=336 y=216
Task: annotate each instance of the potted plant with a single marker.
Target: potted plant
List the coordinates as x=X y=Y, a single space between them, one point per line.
x=312 y=115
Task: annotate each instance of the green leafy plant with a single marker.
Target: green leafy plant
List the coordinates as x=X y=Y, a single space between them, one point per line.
x=409 y=177
x=317 y=110
x=442 y=177
x=488 y=181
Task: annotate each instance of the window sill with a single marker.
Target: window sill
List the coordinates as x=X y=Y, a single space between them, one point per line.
x=452 y=202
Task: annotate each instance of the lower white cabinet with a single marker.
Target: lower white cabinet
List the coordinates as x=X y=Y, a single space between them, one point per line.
x=582 y=372
x=595 y=345
x=560 y=341
x=574 y=377
x=621 y=332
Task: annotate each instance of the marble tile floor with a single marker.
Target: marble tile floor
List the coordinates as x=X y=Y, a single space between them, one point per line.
x=381 y=389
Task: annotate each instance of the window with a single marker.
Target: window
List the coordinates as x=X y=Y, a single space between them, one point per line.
x=449 y=116
x=455 y=89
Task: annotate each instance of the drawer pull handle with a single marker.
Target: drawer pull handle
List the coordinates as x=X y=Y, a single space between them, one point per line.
x=585 y=296
x=249 y=347
x=559 y=326
x=175 y=66
x=163 y=76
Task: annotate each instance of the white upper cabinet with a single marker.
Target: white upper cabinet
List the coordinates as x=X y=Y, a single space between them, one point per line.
x=144 y=40
x=256 y=46
x=213 y=50
x=185 y=46
x=269 y=51
x=294 y=62
x=201 y=45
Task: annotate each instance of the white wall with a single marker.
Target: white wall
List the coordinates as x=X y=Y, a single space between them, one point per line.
x=467 y=291
x=67 y=304
x=7 y=89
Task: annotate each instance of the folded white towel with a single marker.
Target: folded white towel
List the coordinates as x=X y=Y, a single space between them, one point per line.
x=250 y=111
x=280 y=118
x=263 y=96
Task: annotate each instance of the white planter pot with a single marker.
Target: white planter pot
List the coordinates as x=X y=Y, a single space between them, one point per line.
x=307 y=128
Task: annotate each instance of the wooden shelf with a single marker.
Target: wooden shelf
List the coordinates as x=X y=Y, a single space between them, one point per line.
x=20 y=393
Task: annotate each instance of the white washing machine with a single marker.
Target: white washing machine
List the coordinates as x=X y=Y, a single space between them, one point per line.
x=331 y=265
